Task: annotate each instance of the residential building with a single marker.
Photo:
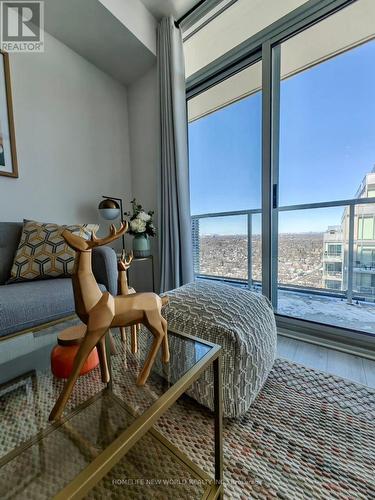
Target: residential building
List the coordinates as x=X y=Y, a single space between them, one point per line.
x=333 y=258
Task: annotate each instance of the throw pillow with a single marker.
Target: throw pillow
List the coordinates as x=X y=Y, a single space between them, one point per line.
x=43 y=253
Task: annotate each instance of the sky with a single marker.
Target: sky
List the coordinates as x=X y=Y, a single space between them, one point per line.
x=327 y=145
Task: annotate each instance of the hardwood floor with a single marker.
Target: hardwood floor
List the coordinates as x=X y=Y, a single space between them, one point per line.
x=344 y=365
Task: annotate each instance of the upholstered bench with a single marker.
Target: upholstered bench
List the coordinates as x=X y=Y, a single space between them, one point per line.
x=243 y=323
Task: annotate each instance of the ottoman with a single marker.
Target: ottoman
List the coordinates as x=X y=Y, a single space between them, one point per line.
x=243 y=323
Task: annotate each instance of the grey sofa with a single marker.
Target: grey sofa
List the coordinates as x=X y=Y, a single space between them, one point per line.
x=28 y=304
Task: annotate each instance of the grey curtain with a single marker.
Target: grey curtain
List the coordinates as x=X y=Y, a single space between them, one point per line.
x=176 y=252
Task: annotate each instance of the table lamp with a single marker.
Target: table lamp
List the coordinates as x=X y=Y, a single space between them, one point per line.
x=110 y=208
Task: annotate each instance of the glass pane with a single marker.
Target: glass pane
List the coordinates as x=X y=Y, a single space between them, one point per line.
x=222 y=247
x=256 y=250
x=230 y=28
x=327 y=108
x=225 y=145
x=368 y=228
x=39 y=458
x=225 y=161
x=310 y=250
x=364 y=257
x=313 y=278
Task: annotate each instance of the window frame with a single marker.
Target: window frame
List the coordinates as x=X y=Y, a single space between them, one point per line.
x=265 y=46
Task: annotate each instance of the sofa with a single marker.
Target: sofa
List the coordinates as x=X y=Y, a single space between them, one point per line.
x=29 y=304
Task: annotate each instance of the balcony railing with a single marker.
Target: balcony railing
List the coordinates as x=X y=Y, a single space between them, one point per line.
x=251 y=275
x=248 y=216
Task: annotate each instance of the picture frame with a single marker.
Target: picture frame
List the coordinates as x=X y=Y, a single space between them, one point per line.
x=8 y=152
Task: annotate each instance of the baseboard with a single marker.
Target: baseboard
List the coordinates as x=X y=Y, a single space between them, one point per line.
x=329 y=344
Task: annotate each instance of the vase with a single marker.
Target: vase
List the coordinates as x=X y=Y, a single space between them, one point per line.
x=141 y=245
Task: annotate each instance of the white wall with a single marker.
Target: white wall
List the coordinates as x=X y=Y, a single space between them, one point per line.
x=144 y=150
x=71 y=125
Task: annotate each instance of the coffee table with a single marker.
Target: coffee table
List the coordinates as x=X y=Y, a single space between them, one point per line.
x=106 y=443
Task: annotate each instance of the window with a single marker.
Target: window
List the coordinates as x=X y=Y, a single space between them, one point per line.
x=225 y=176
x=333 y=285
x=366 y=257
x=333 y=267
x=319 y=143
x=366 y=228
x=324 y=153
x=333 y=249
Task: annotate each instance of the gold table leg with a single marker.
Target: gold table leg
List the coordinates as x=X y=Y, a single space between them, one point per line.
x=218 y=408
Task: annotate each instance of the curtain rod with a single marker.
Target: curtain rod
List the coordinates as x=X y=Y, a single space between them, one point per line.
x=187 y=14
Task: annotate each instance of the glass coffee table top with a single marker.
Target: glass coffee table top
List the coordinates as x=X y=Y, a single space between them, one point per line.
x=38 y=458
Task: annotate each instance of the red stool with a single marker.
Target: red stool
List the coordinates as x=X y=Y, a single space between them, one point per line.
x=63 y=354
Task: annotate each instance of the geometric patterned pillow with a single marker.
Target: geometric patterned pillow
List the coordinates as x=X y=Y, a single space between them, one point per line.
x=43 y=253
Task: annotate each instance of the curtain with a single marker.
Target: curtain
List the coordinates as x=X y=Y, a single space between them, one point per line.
x=176 y=251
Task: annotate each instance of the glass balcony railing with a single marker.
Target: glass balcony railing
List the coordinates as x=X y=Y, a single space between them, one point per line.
x=228 y=246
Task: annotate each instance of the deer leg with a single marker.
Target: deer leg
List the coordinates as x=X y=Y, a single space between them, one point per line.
x=165 y=345
x=103 y=360
x=134 y=340
x=87 y=345
x=123 y=333
x=157 y=330
x=100 y=319
x=112 y=343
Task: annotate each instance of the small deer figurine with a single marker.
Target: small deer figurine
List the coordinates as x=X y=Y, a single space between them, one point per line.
x=101 y=311
x=123 y=265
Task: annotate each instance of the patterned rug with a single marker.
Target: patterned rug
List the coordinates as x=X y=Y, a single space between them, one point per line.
x=307 y=435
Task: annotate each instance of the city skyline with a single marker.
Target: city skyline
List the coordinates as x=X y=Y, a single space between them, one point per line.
x=320 y=127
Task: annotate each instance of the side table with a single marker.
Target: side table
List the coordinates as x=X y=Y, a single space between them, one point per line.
x=141 y=274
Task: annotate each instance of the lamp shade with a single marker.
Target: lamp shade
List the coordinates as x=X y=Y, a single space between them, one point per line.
x=109 y=209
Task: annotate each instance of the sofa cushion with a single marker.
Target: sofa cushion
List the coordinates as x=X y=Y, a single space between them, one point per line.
x=24 y=305
x=10 y=234
x=28 y=304
x=43 y=253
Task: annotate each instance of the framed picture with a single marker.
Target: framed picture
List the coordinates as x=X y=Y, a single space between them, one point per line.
x=8 y=155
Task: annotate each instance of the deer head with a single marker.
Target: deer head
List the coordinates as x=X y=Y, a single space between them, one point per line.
x=79 y=244
x=125 y=260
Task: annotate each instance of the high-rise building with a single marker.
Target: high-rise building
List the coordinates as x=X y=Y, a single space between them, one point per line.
x=336 y=247
x=333 y=254
x=196 y=244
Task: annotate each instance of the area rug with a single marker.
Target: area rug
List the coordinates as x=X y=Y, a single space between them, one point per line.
x=308 y=435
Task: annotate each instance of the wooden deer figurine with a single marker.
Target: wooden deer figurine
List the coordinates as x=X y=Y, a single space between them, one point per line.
x=101 y=311
x=123 y=265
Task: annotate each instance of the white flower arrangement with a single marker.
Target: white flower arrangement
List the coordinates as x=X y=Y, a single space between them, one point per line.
x=140 y=222
x=138 y=225
x=143 y=216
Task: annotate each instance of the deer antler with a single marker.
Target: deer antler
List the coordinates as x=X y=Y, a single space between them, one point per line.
x=125 y=260
x=113 y=235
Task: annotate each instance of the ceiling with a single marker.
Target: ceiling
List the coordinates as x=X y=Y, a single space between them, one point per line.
x=176 y=8
x=89 y=29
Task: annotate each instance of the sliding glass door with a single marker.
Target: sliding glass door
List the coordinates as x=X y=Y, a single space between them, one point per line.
x=225 y=178
x=282 y=176
x=325 y=176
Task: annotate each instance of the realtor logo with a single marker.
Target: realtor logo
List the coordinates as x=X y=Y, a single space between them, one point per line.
x=22 y=26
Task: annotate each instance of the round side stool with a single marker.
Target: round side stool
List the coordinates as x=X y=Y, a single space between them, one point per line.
x=63 y=354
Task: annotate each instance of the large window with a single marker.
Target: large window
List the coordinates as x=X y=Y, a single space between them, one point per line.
x=289 y=205
x=326 y=151
x=225 y=176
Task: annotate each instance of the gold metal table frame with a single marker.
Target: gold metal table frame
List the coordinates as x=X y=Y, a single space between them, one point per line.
x=105 y=461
